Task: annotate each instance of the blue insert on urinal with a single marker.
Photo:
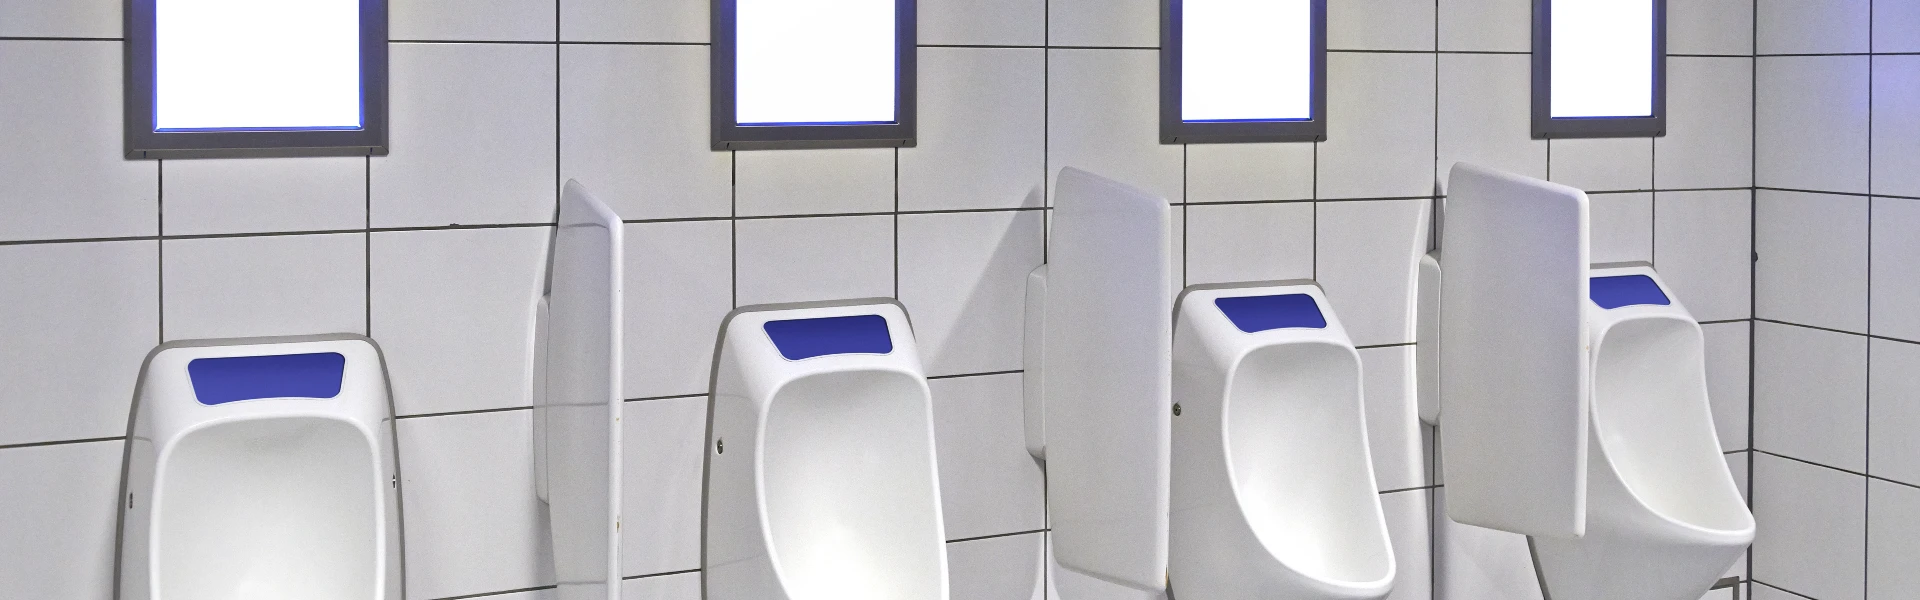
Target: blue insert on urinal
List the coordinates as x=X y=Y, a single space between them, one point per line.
x=236 y=378
x=1625 y=290
x=1253 y=314
x=807 y=338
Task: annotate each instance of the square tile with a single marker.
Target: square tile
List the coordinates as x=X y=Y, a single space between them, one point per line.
x=1896 y=26
x=1103 y=118
x=1622 y=227
x=1134 y=23
x=59 y=527
x=1709 y=141
x=679 y=286
x=681 y=21
x=1811 y=525
x=1409 y=528
x=982 y=22
x=1896 y=125
x=1369 y=254
x=1811 y=128
x=982 y=130
x=1797 y=27
x=1727 y=357
x=259 y=286
x=1703 y=248
x=453 y=310
x=1893 y=397
x=1895 y=268
x=1486 y=25
x=1244 y=172
x=1002 y=568
x=80 y=320
x=471 y=21
x=71 y=18
x=678 y=586
x=989 y=485
x=1380 y=118
x=1710 y=27
x=473 y=524
x=64 y=162
x=252 y=195
x=813 y=259
x=963 y=277
x=1602 y=164
x=1485 y=117
x=1813 y=259
x=1893 y=540
x=664 y=465
x=814 y=182
x=1395 y=436
x=1381 y=25
x=634 y=129
x=1810 y=395
x=472 y=136
x=1231 y=243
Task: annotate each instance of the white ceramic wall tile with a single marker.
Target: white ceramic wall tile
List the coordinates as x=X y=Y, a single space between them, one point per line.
x=1702 y=246
x=80 y=319
x=682 y=21
x=634 y=130
x=1395 y=436
x=1244 y=172
x=679 y=288
x=1134 y=23
x=260 y=195
x=1380 y=114
x=1811 y=128
x=1602 y=164
x=982 y=22
x=1230 y=243
x=1893 y=540
x=1896 y=124
x=1381 y=25
x=70 y=18
x=64 y=166
x=989 y=485
x=1475 y=562
x=470 y=21
x=1727 y=351
x=963 y=277
x=1896 y=268
x=679 y=586
x=1622 y=227
x=814 y=182
x=453 y=311
x=1799 y=27
x=1486 y=25
x=1893 y=397
x=259 y=286
x=1408 y=520
x=1003 y=568
x=812 y=259
x=1485 y=119
x=1103 y=115
x=1810 y=395
x=473 y=524
x=472 y=137
x=1813 y=259
x=1810 y=525
x=57 y=533
x=1709 y=141
x=1896 y=26
x=982 y=129
x=1368 y=254
x=664 y=461
x=1710 y=27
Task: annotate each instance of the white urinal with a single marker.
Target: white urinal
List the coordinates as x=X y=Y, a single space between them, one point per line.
x=261 y=469
x=820 y=463
x=1273 y=487
x=1664 y=518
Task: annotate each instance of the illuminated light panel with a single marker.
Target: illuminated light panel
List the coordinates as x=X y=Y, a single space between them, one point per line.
x=254 y=64
x=815 y=62
x=1602 y=59
x=1246 y=60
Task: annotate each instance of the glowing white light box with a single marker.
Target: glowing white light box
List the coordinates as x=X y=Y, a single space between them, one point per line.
x=1603 y=70
x=1243 y=70
x=799 y=71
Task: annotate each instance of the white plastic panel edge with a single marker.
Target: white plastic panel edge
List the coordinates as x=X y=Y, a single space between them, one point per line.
x=1514 y=357
x=1426 y=349
x=1108 y=385
x=582 y=401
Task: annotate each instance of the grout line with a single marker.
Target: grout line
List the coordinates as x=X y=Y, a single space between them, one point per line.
x=1834 y=193
x=1420 y=488
x=1392 y=345
x=1866 y=460
x=1781 y=589
x=997 y=535
x=500 y=593
x=61 y=442
x=671 y=397
x=1753 y=265
x=55 y=38
x=478 y=411
x=982 y=374
x=1834 y=468
x=1832 y=330
x=661 y=574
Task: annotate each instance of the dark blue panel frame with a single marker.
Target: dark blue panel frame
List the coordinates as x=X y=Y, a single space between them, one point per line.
x=143 y=140
x=1547 y=127
x=729 y=134
x=1174 y=130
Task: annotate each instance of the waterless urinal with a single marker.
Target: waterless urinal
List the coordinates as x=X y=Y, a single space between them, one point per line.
x=821 y=482
x=1273 y=488
x=261 y=469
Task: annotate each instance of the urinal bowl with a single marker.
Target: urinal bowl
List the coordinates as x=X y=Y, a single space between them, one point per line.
x=1273 y=486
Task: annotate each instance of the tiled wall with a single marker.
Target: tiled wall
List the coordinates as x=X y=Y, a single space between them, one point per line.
x=436 y=250
x=1836 y=416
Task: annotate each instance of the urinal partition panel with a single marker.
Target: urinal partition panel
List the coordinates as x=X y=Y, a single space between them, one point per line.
x=1513 y=365
x=581 y=406
x=1108 y=383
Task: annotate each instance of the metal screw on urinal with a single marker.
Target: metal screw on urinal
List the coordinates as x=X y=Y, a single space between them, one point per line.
x=393 y=481
x=1176 y=409
x=720 y=446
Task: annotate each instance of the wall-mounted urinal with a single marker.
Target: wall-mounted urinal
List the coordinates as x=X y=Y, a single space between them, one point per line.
x=1273 y=487
x=821 y=482
x=261 y=468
